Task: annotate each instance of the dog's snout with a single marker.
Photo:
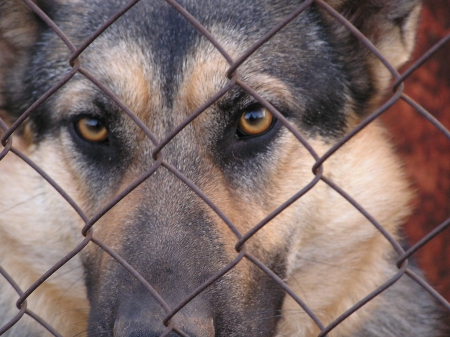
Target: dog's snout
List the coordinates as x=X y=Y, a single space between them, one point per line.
x=139 y=332
x=140 y=316
x=191 y=326
x=142 y=333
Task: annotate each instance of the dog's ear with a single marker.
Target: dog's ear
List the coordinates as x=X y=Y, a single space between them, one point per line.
x=389 y=24
x=19 y=29
x=18 y=33
x=391 y=27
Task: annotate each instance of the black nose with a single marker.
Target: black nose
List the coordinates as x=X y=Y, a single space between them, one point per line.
x=138 y=316
x=142 y=333
x=193 y=328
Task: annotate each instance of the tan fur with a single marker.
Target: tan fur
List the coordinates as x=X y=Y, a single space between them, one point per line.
x=346 y=276
x=352 y=275
x=26 y=225
x=126 y=70
x=204 y=77
x=334 y=258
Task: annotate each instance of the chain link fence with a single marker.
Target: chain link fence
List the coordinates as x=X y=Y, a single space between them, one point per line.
x=87 y=234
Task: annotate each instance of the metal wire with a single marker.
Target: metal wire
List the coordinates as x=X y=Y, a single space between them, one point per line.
x=233 y=81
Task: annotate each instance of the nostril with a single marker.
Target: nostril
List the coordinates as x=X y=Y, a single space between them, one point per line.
x=141 y=333
x=137 y=318
x=124 y=328
x=133 y=329
x=136 y=332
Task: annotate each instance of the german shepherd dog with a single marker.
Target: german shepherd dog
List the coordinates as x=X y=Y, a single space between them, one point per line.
x=239 y=153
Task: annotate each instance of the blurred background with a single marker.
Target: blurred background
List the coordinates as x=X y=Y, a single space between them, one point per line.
x=424 y=150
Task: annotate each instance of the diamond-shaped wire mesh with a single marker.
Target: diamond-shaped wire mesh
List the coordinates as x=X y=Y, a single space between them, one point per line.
x=159 y=162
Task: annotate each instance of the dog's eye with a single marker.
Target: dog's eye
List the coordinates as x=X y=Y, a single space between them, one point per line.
x=91 y=130
x=255 y=122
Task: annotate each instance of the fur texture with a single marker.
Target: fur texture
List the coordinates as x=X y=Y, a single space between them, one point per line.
x=314 y=72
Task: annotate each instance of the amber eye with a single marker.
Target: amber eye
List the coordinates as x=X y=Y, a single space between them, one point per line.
x=91 y=130
x=255 y=122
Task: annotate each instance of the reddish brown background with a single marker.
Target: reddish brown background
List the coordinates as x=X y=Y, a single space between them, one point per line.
x=425 y=151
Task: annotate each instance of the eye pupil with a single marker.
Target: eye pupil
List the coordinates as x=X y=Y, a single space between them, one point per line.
x=91 y=130
x=254 y=117
x=93 y=125
x=255 y=122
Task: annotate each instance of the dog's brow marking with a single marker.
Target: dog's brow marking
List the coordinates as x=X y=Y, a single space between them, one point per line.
x=204 y=73
x=203 y=76
x=130 y=75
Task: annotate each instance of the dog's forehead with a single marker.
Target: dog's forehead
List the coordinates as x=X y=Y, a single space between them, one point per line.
x=154 y=59
x=143 y=84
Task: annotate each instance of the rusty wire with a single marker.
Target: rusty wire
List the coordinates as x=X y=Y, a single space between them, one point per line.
x=88 y=231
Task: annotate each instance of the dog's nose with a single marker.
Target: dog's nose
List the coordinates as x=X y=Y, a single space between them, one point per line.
x=129 y=329
x=138 y=314
x=142 y=333
x=190 y=325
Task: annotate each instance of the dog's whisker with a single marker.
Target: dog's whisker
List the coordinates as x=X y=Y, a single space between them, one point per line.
x=208 y=168
x=24 y=202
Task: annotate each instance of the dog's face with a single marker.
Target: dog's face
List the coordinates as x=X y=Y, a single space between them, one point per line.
x=243 y=158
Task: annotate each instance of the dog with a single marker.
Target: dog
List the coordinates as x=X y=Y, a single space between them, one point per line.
x=239 y=152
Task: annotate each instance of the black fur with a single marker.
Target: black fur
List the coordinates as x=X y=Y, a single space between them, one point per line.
x=171 y=236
